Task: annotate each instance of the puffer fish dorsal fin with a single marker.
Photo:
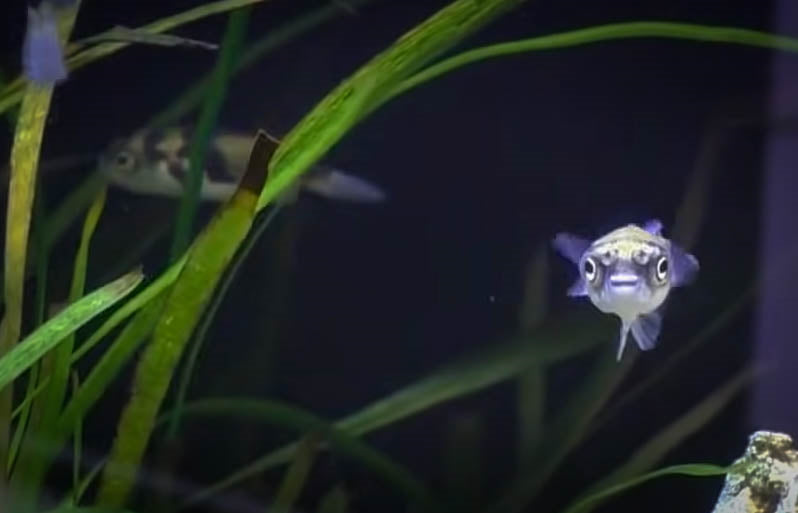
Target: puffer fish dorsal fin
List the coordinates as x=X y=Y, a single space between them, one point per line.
x=646 y=329
x=570 y=246
x=653 y=226
x=685 y=266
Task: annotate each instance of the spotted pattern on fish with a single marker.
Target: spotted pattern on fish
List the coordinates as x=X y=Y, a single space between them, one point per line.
x=156 y=162
x=764 y=479
x=629 y=272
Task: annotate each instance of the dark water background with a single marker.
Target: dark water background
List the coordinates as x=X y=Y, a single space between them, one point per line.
x=482 y=166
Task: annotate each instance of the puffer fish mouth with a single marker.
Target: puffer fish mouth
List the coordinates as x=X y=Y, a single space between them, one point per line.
x=624 y=280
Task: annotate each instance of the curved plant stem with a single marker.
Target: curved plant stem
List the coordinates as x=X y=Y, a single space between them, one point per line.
x=609 y=32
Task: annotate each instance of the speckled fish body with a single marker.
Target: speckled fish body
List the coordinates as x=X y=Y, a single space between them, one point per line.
x=156 y=162
x=629 y=272
x=764 y=479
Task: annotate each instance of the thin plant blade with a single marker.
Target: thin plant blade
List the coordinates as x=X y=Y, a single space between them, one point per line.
x=689 y=469
x=652 y=452
x=55 y=330
x=206 y=261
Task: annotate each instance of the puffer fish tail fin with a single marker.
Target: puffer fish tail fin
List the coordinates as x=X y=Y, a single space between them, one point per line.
x=622 y=342
x=646 y=330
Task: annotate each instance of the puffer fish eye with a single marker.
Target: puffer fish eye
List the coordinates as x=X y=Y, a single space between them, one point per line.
x=662 y=268
x=124 y=160
x=590 y=269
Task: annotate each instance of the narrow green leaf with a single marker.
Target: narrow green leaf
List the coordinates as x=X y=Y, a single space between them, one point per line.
x=531 y=384
x=124 y=34
x=690 y=469
x=46 y=337
x=297 y=473
x=12 y=94
x=210 y=315
x=555 y=340
x=231 y=47
x=289 y=416
x=653 y=451
x=613 y=31
x=53 y=397
x=193 y=96
x=342 y=108
x=188 y=298
x=25 y=152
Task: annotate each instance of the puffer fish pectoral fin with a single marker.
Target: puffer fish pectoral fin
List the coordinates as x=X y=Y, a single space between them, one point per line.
x=653 y=226
x=570 y=246
x=578 y=289
x=685 y=266
x=622 y=342
x=338 y=185
x=646 y=330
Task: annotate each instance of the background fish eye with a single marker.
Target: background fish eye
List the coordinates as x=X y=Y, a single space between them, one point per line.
x=124 y=160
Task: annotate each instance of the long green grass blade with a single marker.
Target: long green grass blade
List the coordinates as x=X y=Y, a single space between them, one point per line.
x=38 y=447
x=555 y=340
x=231 y=47
x=531 y=384
x=296 y=475
x=690 y=469
x=12 y=94
x=210 y=315
x=342 y=108
x=207 y=260
x=53 y=397
x=289 y=416
x=653 y=451
x=192 y=97
x=55 y=330
x=25 y=151
x=609 y=32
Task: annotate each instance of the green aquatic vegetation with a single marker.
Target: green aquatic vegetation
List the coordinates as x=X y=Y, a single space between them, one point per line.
x=62 y=325
x=688 y=469
x=217 y=91
x=76 y=57
x=171 y=306
x=206 y=260
x=28 y=135
x=340 y=440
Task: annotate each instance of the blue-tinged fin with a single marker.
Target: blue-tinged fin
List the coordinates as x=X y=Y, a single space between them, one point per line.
x=338 y=185
x=653 y=226
x=570 y=246
x=685 y=266
x=578 y=289
x=42 y=54
x=646 y=330
x=622 y=341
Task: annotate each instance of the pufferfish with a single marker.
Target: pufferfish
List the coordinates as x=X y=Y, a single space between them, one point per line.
x=156 y=162
x=629 y=272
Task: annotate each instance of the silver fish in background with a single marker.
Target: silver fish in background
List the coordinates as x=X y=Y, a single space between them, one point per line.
x=156 y=162
x=629 y=272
